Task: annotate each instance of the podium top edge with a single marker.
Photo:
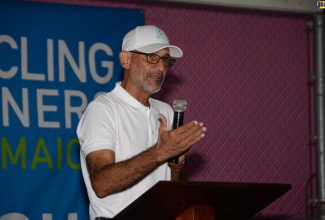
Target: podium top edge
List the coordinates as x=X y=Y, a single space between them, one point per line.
x=225 y=184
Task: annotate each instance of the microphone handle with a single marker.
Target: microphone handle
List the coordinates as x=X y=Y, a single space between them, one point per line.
x=177 y=122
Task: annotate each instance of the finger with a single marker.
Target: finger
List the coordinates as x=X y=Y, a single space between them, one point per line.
x=190 y=130
x=200 y=130
x=163 y=122
x=186 y=127
x=199 y=133
x=181 y=158
x=193 y=136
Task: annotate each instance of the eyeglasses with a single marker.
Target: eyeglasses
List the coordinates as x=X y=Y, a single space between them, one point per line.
x=154 y=58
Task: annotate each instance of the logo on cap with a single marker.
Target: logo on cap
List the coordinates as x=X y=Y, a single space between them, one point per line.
x=160 y=34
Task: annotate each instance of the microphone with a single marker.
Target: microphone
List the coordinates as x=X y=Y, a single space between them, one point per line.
x=179 y=107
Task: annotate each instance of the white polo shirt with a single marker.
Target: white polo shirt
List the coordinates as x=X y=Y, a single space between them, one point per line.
x=118 y=122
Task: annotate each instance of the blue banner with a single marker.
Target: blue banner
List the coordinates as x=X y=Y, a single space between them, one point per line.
x=54 y=59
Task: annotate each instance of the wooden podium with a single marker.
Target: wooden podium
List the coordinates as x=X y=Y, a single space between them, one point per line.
x=169 y=200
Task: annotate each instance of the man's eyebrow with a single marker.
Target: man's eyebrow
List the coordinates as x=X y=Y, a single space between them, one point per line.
x=166 y=55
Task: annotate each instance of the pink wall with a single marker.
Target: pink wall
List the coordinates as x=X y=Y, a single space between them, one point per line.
x=244 y=74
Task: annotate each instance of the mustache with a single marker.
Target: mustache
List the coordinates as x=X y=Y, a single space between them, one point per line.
x=157 y=75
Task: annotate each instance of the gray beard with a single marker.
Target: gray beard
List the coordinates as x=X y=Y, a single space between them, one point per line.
x=151 y=90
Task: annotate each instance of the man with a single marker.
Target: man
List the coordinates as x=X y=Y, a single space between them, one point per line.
x=125 y=135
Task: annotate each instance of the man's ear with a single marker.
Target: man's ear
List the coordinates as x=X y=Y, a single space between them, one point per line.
x=125 y=59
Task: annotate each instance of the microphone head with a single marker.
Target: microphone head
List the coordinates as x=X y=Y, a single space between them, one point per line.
x=179 y=105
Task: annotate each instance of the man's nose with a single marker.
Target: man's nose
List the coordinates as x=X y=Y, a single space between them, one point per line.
x=161 y=65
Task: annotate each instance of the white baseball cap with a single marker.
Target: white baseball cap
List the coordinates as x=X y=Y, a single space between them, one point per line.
x=149 y=39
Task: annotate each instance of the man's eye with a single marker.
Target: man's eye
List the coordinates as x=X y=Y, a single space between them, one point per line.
x=152 y=55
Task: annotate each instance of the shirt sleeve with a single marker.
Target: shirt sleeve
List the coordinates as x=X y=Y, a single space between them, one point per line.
x=96 y=128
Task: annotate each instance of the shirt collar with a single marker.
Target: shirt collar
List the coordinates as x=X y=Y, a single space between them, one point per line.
x=125 y=97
